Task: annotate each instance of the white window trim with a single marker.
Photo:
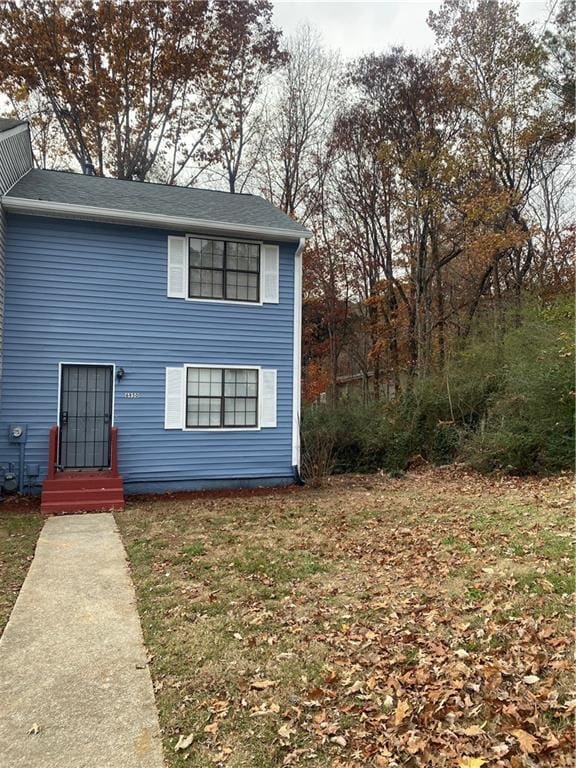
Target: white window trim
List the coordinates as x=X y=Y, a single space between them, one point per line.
x=258 y=303
x=221 y=366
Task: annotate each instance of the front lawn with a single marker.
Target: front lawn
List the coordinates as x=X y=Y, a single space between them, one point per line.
x=421 y=621
x=18 y=536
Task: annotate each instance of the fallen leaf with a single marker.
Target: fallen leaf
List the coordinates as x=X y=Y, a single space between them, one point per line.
x=473 y=730
x=340 y=740
x=401 y=711
x=184 y=742
x=34 y=730
x=285 y=732
x=531 y=679
x=261 y=685
x=212 y=727
x=472 y=762
x=526 y=740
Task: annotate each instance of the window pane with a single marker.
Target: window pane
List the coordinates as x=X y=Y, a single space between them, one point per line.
x=192 y=385
x=217 y=284
x=195 y=249
x=213 y=254
x=232 y=285
x=204 y=382
x=195 y=282
x=229 y=412
x=240 y=412
x=242 y=256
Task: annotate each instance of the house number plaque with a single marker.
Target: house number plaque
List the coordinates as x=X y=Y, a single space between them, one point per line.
x=132 y=395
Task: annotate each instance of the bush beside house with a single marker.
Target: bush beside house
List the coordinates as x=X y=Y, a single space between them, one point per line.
x=501 y=406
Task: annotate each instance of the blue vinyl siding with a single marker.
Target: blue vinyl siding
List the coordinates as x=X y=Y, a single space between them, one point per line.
x=96 y=293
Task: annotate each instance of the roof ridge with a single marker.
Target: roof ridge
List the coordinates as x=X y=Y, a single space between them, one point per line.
x=151 y=183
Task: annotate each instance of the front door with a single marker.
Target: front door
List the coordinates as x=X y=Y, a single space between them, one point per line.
x=85 y=416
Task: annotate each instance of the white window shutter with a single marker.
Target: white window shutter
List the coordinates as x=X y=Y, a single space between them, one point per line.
x=177 y=267
x=174 y=402
x=268 y=398
x=270 y=274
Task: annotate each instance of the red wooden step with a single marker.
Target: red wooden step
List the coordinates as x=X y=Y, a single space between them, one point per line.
x=91 y=495
x=66 y=482
x=72 y=507
x=70 y=492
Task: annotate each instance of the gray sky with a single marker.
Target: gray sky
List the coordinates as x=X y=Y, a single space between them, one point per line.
x=358 y=26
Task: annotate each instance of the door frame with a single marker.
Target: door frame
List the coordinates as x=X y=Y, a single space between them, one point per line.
x=101 y=365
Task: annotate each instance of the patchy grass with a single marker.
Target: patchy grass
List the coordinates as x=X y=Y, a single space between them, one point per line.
x=18 y=536
x=375 y=622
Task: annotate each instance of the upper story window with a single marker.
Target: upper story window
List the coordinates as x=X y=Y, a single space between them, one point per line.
x=222 y=269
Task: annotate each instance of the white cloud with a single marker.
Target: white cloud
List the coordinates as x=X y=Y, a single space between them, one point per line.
x=356 y=27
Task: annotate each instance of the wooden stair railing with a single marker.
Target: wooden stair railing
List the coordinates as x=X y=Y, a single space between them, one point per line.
x=114 y=452
x=53 y=452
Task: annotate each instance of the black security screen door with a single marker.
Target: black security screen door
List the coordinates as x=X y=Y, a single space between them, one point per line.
x=85 y=416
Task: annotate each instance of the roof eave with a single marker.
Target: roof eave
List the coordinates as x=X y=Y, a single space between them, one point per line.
x=93 y=213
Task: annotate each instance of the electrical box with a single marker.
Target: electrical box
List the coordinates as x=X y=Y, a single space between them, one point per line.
x=17 y=433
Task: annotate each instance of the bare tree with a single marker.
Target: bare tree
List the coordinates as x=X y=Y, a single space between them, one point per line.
x=297 y=123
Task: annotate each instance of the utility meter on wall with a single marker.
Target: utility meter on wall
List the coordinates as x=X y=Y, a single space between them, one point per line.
x=17 y=433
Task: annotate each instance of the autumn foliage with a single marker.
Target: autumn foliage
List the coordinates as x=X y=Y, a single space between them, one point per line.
x=444 y=198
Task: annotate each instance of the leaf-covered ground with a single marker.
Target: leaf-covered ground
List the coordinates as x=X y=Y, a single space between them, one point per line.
x=422 y=621
x=18 y=536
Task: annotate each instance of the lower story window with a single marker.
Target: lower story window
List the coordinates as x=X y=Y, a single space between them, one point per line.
x=221 y=397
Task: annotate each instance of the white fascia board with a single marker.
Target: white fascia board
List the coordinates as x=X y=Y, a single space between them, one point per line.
x=13 y=131
x=47 y=207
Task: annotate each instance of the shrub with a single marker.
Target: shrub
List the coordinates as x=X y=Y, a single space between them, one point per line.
x=503 y=403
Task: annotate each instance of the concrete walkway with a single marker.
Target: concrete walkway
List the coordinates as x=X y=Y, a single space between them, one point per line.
x=75 y=691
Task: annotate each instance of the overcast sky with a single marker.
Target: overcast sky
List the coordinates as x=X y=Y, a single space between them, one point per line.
x=357 y=26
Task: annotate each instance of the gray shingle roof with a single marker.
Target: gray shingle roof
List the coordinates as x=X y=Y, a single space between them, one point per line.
x=6 y=123
x=156 y=199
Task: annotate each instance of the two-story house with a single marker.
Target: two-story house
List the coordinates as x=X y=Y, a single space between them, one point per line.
x=150 y=336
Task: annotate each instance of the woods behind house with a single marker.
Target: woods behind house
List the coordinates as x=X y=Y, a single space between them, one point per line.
x=438 y=186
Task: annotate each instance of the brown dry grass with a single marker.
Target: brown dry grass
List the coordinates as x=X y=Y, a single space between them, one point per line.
x=387 y=622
